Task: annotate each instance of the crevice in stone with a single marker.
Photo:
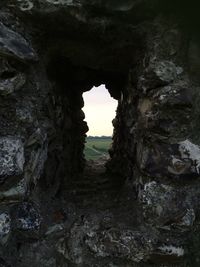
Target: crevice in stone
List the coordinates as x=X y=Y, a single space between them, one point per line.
x=70 y=82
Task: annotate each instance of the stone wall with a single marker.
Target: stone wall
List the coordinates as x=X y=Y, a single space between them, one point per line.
x=147 y=55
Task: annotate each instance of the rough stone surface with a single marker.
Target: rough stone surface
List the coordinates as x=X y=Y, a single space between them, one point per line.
x=11 y=157
x=5 y=227
x=13 y=44
x=142 y=208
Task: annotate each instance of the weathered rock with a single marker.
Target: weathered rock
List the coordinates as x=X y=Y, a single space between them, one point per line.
x=37 y=158
x=5 y=227
x=89 y=237
x=11 y=157
x=8 y=86
x=162 y=204
x=14 y=194
x=26 y=220
x=158 y=74
x=144 y=211
x=125 y=244
x=171 y=251
x=13 y=44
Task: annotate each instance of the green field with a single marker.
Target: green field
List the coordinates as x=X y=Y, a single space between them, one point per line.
x=96 y=147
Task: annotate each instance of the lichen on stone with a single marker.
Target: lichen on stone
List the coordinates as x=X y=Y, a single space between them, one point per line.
x=11 y=157
x=190 y=151
x=25 y=4
x=172 y=250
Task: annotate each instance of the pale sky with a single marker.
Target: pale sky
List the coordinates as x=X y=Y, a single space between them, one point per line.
x=99 y=109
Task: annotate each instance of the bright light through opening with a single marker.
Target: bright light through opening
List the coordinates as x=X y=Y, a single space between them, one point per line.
x=100 y=110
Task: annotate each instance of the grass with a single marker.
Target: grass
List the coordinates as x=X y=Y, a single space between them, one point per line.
x=96 y=147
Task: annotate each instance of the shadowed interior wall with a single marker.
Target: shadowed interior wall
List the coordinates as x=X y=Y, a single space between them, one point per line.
x=69 y=84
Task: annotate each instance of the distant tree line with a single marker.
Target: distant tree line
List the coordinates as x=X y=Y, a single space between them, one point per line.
x=99 y=137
